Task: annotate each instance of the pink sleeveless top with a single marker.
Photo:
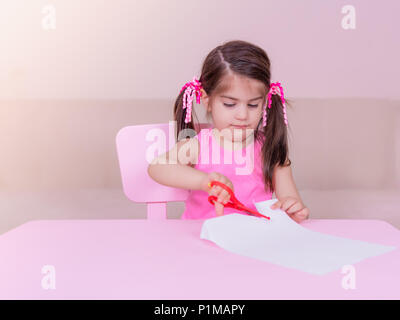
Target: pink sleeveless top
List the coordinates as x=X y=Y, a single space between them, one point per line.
x=242 y=167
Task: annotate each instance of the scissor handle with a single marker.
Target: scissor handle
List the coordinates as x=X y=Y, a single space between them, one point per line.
x=235 y=203
x=224 y=186
x=212 y=200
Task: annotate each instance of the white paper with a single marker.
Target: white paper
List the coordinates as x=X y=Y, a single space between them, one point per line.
x=284 y=242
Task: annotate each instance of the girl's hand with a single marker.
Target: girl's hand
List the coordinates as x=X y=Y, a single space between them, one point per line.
x=293 y=207
x=222 y=194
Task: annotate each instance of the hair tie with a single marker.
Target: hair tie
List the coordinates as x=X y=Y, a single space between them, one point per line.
x=275 y=88
x=191 y=88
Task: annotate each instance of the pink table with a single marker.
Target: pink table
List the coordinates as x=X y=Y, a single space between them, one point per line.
x=166 y=259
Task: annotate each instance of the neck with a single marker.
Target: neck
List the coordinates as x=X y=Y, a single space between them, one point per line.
x=233 y=145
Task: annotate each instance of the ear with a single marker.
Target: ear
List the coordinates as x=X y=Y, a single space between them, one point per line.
x=205 y=99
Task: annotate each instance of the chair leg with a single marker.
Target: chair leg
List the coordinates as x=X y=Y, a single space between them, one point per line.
x=157 y=210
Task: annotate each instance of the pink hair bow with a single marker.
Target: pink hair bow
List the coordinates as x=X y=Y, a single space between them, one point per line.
x=191 y=89
x=275 y=88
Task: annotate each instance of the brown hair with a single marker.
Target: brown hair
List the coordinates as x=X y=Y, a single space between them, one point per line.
x=244 y=59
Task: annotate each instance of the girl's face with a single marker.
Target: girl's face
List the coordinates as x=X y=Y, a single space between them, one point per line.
x=238 y=108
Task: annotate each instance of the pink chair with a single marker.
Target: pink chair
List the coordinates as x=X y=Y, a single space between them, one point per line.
x=136 y=149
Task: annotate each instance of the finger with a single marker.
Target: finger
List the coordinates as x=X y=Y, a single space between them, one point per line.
x=223 y=196
x=297 y=206
x=295 y=218
x=303 y=213
x=228 y=183
x=287 y=203
x=216 y=190
x=227 y=198
x=219 y=209
x=300 y=217
x=276 y=205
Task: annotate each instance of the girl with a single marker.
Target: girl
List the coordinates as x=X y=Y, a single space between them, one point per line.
x=237 y=93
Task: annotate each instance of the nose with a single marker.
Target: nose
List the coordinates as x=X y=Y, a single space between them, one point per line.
x=241 y=113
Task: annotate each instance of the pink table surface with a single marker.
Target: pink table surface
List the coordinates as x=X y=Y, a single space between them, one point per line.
x=166 y=259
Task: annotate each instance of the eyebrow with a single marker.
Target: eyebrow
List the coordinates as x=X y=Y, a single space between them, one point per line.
x=238 y=99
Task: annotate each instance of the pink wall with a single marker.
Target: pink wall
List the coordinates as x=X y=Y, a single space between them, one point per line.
x=121 y=49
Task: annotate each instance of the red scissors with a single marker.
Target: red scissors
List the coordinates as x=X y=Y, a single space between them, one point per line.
x=234 y=203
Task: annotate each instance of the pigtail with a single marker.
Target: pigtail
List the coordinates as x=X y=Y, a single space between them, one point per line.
x=274 y=140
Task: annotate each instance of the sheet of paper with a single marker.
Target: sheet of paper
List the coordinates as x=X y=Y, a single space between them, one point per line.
x=284 y=242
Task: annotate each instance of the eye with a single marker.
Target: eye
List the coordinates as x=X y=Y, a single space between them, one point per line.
x=250 y=105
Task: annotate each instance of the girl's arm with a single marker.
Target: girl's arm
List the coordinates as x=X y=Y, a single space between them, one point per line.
x=181 y=174
x=283 y=182
x=288 y=197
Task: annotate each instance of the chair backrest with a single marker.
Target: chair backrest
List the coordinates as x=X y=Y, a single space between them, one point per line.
x=137 y=146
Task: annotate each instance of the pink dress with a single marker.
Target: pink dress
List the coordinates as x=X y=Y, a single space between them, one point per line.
x=242 y=167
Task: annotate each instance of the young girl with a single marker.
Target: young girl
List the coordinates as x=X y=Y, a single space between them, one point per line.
x=236 y=90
